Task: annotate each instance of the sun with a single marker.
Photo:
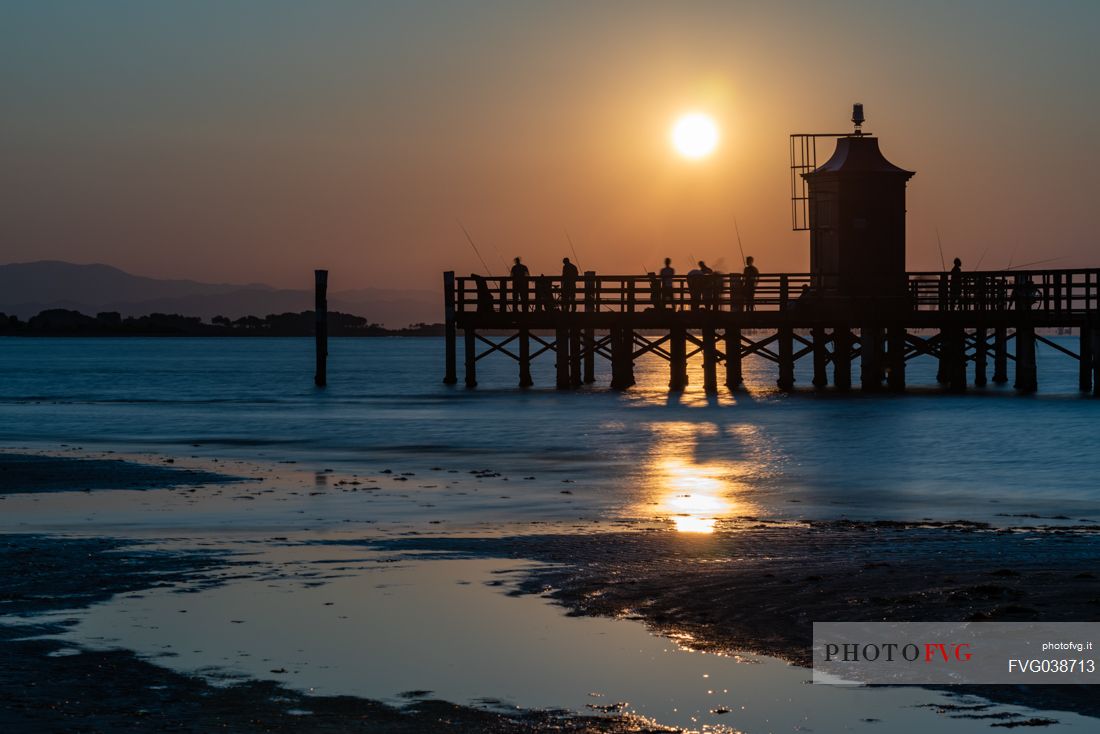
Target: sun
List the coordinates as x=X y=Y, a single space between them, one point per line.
x=695 y=135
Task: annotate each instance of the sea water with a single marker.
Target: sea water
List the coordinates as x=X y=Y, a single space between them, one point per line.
x=987 y=455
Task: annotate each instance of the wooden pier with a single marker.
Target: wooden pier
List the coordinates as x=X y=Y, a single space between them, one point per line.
x=976 y=324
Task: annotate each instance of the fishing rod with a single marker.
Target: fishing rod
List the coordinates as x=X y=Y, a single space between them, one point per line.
x=744 y=260
x=1039 y=262
x=1012 y=256
x=979 y=265
x=576 y=259
x=503 y=262
x=939 y=243
x=476 y=251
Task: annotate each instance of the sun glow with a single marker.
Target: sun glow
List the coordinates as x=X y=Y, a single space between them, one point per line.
x=695 y=135
x=696 y=496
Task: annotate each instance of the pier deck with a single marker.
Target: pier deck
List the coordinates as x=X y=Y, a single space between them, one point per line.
x=977 y=320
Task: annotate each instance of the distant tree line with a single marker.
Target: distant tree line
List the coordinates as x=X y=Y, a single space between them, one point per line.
x=63 y=322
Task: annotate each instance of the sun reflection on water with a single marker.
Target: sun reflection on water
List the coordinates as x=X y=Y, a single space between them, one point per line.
x=696 y=496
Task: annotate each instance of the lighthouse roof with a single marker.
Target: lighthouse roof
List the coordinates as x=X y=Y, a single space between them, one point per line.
x=858 y=154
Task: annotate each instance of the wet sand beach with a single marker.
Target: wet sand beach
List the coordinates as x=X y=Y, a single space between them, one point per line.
x=47 y=685
x=751 y=586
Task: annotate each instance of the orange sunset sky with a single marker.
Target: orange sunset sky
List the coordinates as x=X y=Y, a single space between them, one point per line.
x=255 y=141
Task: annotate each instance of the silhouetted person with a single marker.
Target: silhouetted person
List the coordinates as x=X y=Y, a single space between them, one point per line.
x=544 y=294
x=569 y=276
x=805 y=299
x=955 y=285
x=484 y=295
x=667 y=274
x=520 y=276
x=712 y=287
x=706 y=275
x=697 y=283
x=750 y=277
x=654 y=289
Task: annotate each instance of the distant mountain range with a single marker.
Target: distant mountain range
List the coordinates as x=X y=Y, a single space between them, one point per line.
x=28 y=288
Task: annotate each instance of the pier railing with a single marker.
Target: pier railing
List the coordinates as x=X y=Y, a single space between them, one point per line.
x=1053 y=292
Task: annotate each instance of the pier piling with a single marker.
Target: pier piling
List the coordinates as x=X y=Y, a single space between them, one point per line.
x=733 y=357
x=842 y=358
x=786 y=358
x=1000 y=354
x=677 y=349
x=1027 y=379
x=561 y=346
x=470 y=356
x=895 y=357
x=821 y=357
x=980 y=346
x=525 y=358
x=710 y=359
x=870 y=359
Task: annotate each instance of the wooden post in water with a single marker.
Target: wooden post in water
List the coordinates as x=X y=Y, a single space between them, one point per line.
x=590 y=306
x=1027 y=377
x=786 y=358
x=980 y=356
x=733 y=357
x=821 y=357
x=561 y=351
x=615 y=337
x=896 y=358
x=870 y=358
x=525 y=357
x=953 y=357
x=1095 y=352
x=469 y=354
x=710 y=358
x=842 y=358
x=1000 y=354
x=450 y=336
x=575 y=378
x=677 y=363
x=320 y=313
x=1086 y=360
x=622 y=357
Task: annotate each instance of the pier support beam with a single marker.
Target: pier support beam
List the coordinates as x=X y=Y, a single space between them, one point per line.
x=575 y=378
x=561 y=348
x=677 y=363
x=980 y=349
x=842 y=358
x=1000 y=355
x=1087 y=361
x=870 y=358
x=733 y=357
x=1027 y=377
x=525 y=358
x=589 y=355
x=786 y=358
x=622 y=358
x=952 y=367
x=470 y=356
x=450 y=336
x=821 y=357
x=955 y=344
x=1095 y=360
x=895 y=358
x=710 y=360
